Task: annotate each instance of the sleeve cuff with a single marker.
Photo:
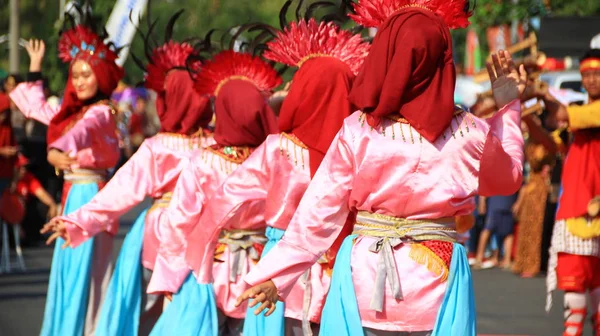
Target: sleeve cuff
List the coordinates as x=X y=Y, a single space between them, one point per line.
x=167 y=276
x=77 y=234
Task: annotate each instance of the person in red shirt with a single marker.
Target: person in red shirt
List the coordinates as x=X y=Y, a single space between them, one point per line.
x=8 y=149
x=22 y=186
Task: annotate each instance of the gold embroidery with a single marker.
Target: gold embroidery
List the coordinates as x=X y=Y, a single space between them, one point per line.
x=426 y=257
x=297 y=142
x=231 y=153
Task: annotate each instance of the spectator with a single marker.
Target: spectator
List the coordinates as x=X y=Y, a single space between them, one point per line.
x=8 y=144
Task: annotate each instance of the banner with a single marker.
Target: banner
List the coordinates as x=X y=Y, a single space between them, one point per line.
x=120 y=29
x=473 y=53
x=498 y=38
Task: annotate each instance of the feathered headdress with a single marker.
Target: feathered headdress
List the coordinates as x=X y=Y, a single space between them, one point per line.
x=372 y=13
x=231 y=65
x=84 y=40
x=165 y=57
x=304 y=40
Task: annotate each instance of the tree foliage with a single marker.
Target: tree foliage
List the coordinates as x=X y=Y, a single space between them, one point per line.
x=40 y=19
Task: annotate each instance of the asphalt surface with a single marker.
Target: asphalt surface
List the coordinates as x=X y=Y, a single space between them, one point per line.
x=506 y=304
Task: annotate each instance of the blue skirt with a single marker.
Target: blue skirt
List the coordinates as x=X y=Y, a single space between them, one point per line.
x=68 y=289
x=120 y=314
x=262 y=325
x=193 y=312
x=456 y=316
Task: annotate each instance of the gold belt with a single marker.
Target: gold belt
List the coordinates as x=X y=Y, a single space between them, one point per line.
x=241 y=245
x=84 y=176
x=162 y=202
x=392 y=232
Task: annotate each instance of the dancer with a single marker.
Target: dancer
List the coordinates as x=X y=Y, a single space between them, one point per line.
x=82 y=142
x=151 y=172
x=279 y=171
x=407 y=162
x=574 y=264
x=8 y=143
x=240 y=84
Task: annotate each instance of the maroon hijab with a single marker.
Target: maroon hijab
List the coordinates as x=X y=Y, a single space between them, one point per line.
x=317 y=104
x=409 y=71
x=180 y=108
x=244 y=117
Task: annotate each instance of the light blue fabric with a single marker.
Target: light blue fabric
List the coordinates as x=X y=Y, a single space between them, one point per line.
x=340 y=315
x=120 y=313
x=68 y=289
x=457 y=315
x=193 y=312
x=273 y=325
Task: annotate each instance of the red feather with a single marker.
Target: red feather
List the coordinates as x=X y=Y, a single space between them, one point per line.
x=82 y=43
x=229 y=65
x=303 y=40
x=164 y=58
x=372 y=13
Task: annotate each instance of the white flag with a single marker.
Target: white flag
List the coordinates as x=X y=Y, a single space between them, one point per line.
x=120 y=29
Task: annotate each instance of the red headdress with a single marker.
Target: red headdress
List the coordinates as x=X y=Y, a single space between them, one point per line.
x=328 y=58
x=304 y=40
x=230 y=65
x=239 y=81
x=82 y=43
x=179 y=108
x=372 y=13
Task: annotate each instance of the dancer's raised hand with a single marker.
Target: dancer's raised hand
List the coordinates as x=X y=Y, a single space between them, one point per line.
x=36 y=50
x=508 y=82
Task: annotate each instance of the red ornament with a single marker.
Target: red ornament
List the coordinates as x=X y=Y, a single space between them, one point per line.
x=230 y=65
x=168 y=56
x=304 y=40
x=81 y=42
x=372 y=13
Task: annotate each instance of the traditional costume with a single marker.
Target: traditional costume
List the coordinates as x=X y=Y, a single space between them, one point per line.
x=151 y=172
x=574 y=264
x=406 y=164
x=86 y=130
x=279 y=170
x=239 y=82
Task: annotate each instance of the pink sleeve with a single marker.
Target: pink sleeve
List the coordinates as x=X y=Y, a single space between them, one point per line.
x=318 y=221
x=127 y=188
x=92 y=139
x=29 y=98
x=249 y=182
x=170 y=269
x=501 y=169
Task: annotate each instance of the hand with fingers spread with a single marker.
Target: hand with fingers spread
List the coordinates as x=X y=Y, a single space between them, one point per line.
x=508 y=82
x=36 y=50
x=265 y=293
x=59 y=229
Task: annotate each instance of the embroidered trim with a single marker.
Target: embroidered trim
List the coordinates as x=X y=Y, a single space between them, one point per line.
x=306 y=58
x=426 y=257
x=295 y=141
x=231 y=153
x=228 y=79
x=181 y=141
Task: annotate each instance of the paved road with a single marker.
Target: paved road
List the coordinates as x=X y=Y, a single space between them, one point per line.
x=506 y=304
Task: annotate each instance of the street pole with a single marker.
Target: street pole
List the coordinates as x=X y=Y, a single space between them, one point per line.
x=13 y=40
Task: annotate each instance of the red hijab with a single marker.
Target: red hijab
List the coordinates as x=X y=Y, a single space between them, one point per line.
x=180 y=108
x=317 y=104
x=244 y=117
x=409 y=70
x=108 y=75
